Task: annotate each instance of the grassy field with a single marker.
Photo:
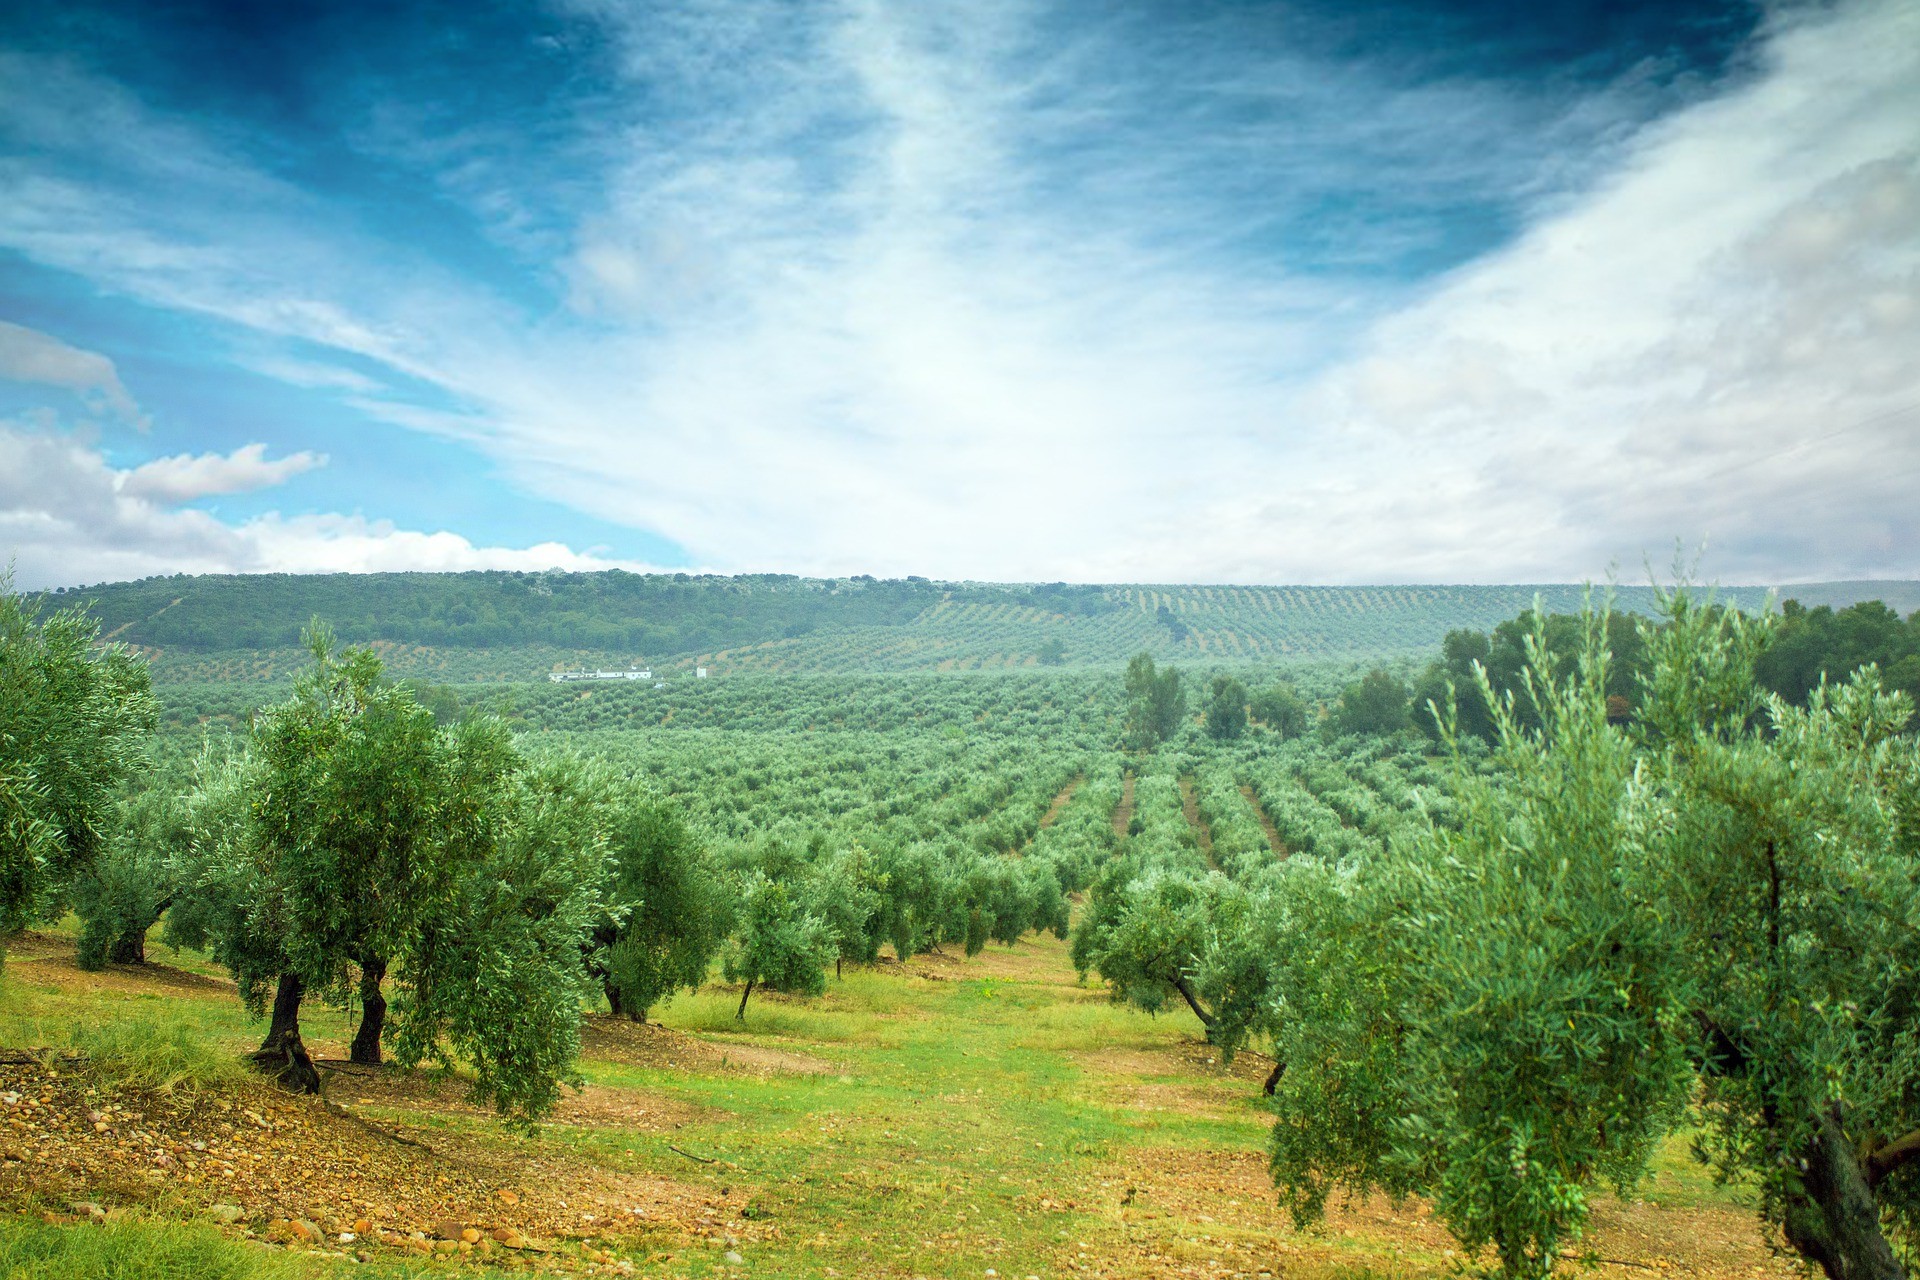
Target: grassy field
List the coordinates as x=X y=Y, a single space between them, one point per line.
x=946 y=1117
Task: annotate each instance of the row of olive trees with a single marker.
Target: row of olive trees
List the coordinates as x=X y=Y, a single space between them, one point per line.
x=354 y=845
x=1708 y=919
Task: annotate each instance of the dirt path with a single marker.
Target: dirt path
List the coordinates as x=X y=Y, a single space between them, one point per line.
x=1266 y=823
x=1191 y=807
x=1123 y=812
x=1061 y=801
x=113 y=634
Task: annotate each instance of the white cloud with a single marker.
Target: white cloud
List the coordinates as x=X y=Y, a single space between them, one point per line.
x=919 y=295
x=1716 y=345
x=27 y=355
x=187 y=477
x=68 y=516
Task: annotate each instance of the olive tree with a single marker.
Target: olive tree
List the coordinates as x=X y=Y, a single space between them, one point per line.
x=778 y=943
x=1787 y=839
x=493 y=975
x=351 y=780
x=666 y=910
x=1146 y=931
x=1491 y=1016
x=74 y=720
x=131 y=883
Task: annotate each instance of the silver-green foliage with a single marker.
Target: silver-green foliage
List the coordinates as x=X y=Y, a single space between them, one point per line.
x=1492 y=1016
x=74 y=718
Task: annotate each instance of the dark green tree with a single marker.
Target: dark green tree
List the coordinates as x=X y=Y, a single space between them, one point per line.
x=1226 y=708
x=1281 y=708
x=1377 y=704
x=1156 y=702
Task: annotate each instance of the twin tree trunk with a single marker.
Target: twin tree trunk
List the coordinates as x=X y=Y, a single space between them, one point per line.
x=618 y=1006
x=373 y=1014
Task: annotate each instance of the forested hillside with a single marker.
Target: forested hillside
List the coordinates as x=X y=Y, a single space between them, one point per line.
x=514 y=626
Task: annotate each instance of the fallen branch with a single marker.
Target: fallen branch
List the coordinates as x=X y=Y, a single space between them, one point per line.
x=327 y=1064
x=37 y=1057
x=369 y=1125
x=689 y=1155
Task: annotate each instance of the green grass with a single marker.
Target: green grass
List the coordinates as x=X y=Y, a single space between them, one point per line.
x=147 y=1052
x=126 y=1248
x=927 y=1120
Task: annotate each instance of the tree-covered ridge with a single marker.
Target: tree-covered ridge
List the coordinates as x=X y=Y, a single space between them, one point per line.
x=463 y=627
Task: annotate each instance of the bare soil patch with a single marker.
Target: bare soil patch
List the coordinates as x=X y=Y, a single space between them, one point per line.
x=1266 y=823
x=1183 y=1211
x=1061 y=801
x=1190 y=806
x=303 y=1171
x=1123 y=812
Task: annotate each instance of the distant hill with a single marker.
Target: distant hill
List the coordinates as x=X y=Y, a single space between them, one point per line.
x=516 y=626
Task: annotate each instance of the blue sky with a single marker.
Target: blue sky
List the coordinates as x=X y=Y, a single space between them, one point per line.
x=1008 y=289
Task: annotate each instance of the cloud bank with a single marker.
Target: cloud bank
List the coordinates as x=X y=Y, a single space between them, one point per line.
x=68 y=516
x=892 y=288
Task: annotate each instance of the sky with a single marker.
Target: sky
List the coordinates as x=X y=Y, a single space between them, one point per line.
x=1338 y=291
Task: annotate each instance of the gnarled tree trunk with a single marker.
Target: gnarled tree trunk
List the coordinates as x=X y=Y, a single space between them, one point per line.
x=283 y=1054
x=373 y=1014
x=740 y=1015
x=1833 y=1219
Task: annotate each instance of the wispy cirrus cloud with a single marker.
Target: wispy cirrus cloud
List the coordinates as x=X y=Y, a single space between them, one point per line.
x=27 y=355
x=1023 y=290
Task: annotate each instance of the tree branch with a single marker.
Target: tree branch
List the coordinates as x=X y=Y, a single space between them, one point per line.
x=1893 y=1155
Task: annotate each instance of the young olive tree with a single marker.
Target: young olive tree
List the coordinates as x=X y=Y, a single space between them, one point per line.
x=74 y=721
x=1493 y=1017
x=777 y=942
x=667 y=913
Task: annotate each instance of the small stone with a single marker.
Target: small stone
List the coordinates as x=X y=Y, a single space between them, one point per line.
x=509 y=1197
x=734 y=1258
x=470 y=1236
x=227 y=1213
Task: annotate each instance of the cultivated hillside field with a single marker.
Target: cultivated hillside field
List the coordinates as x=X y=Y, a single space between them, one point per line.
x=949 y=930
